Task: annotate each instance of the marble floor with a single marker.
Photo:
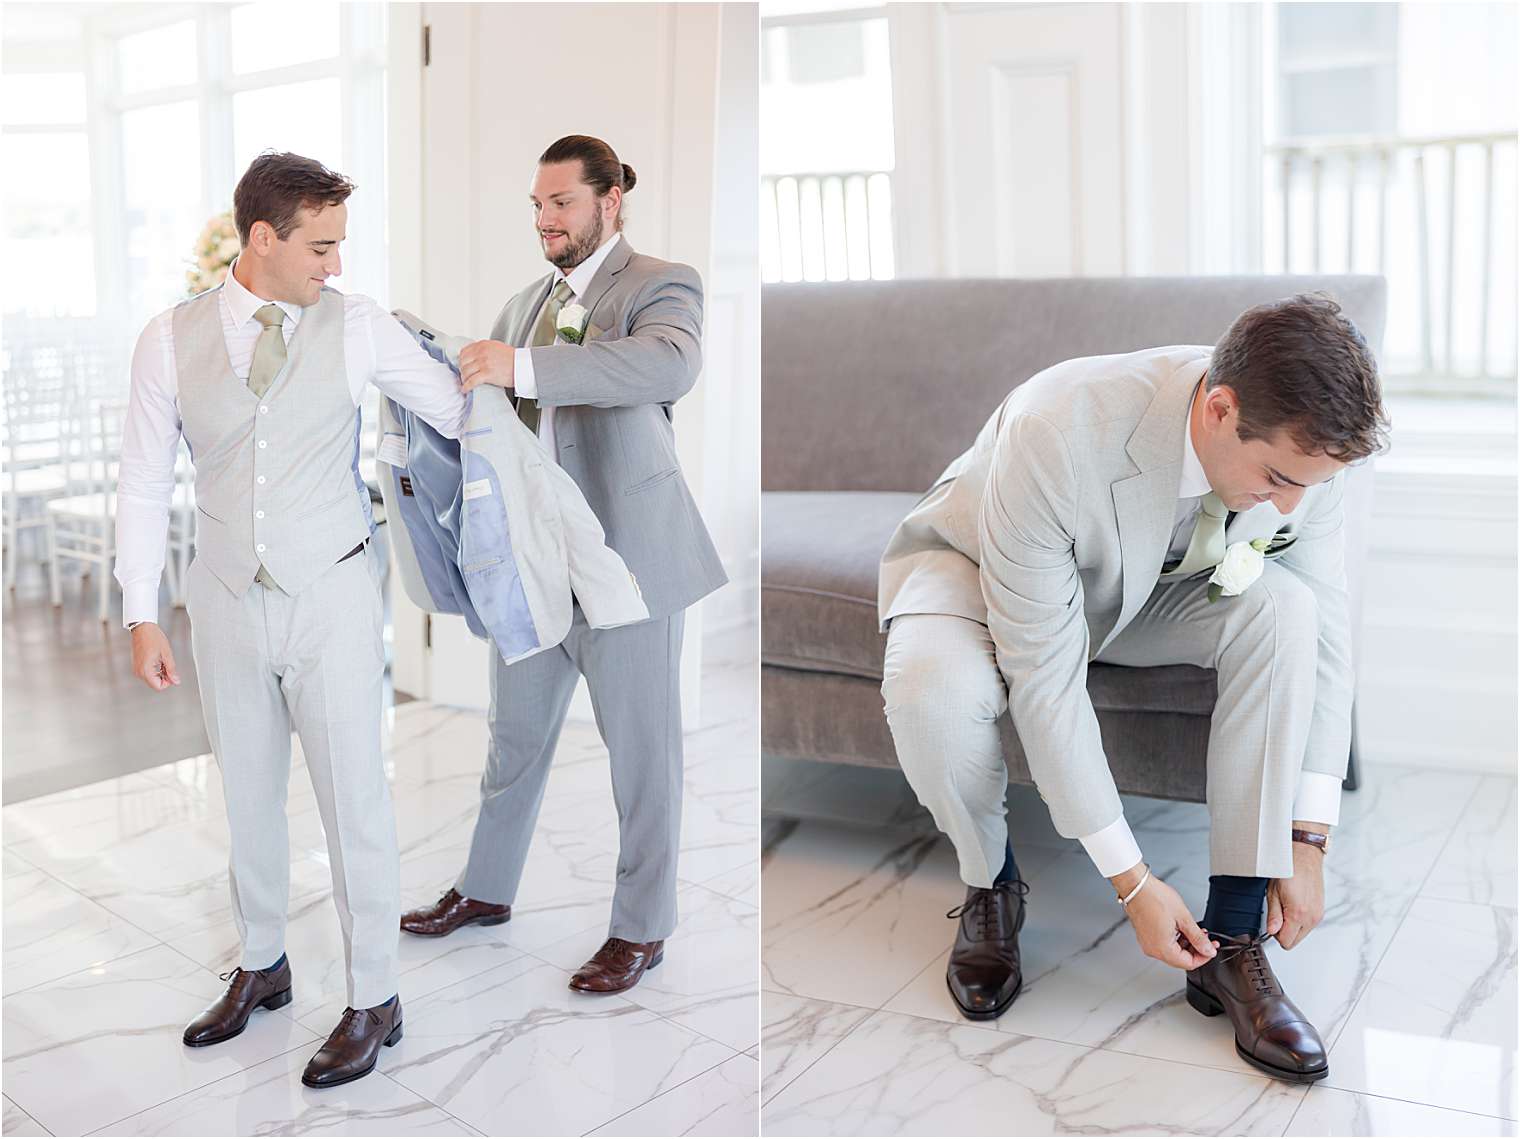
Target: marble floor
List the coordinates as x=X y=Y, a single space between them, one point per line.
x=117 y=923
x=1411 y=978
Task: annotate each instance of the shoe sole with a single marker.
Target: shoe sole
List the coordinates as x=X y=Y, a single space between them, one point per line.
x=388 y=1042
x=273 y=1001
x=501 y=919
x=650 y=968
x=985 y=1014
x=1209 y=1006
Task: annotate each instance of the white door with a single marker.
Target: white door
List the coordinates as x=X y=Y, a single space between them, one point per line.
x=1034 y=178
x=504 y=81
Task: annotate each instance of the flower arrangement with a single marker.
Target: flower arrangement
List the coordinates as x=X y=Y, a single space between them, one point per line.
x=215 y=250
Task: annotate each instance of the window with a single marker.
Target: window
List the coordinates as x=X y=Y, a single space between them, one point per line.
x=121 y=166
x=826 y=147
x=161 y=202
x=1391 y=149
x=48 y=238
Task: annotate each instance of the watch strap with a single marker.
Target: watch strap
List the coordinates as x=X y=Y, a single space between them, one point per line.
x=1312 y=838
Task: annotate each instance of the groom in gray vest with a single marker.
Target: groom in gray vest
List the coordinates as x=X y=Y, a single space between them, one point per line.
x=263 y=377
x=596 y=354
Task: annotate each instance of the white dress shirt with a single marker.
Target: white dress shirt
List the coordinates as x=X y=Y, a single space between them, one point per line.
x=376 y=349
x=1318 y=800
x=579 y=279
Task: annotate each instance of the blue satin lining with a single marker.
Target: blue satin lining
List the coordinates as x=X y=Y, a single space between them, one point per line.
x=464 y=549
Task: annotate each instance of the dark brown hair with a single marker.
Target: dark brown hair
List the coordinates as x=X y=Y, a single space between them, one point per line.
x=276 y=187
x=600 y=167
x=1298 y=365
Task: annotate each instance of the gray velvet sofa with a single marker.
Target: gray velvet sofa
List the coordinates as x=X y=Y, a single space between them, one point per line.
x=870 y=389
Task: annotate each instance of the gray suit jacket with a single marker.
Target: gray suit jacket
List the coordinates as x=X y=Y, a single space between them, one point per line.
x=613 y=431
x=1051 y=530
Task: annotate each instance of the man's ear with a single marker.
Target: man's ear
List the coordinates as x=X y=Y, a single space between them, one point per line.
x=261 y=236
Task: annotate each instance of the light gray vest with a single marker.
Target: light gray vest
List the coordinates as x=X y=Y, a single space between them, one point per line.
x=276 y=479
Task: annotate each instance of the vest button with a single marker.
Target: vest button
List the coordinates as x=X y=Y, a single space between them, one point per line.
x=261 y=480
x=258 y=514
x=263 y=443
x=263 y=410
x=260 y=547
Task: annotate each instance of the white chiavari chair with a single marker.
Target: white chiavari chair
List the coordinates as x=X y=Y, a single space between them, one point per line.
x=82 y=525
x=32 y=433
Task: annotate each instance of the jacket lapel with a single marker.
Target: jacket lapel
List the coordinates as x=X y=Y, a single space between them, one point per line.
x=1145 y=503
x=617 y=260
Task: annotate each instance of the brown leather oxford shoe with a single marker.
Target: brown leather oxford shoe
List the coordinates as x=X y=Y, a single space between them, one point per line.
x=617 y=966
x=1270 y=1032
x=450 y=912
x=354 y=1046
x=228 y=1015
x=983 y=973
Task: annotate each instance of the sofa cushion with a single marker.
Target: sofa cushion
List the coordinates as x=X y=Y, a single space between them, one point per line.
x=819 y=557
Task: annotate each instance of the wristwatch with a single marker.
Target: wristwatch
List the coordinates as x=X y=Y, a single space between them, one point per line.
x=1312 y=838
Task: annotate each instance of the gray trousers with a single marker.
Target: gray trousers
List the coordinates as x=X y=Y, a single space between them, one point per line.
x=316 y=660
x=634 y=677
x=944 y=694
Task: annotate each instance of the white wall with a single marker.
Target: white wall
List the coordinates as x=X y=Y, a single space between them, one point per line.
x=655 y=81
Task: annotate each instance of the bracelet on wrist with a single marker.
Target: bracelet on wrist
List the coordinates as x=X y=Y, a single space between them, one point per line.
x=1140 y=885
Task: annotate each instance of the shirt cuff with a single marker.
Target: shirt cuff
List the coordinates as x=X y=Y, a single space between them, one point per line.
x=1318 y=799
x=522 y=373
x=1113 y=849
x=139 y=602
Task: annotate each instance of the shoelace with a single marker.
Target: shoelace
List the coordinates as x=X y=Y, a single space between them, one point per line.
x=351 y=1018
x=1258 y=969
x=981 y=909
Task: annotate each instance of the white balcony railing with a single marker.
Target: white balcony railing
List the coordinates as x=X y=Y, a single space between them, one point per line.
x=826 y=227
x=1437 y=217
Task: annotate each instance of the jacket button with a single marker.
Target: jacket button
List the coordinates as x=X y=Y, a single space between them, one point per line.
x=260 y=547
x=263 y=443
x=258 y=514
x=261 y=480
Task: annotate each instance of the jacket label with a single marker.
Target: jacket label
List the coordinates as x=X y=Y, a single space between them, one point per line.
x=392 y=450
x=480 y=488
x=406 y=486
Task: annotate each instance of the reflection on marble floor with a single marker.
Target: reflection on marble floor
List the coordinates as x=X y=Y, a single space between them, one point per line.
x=117 y=922
x=1411 y=978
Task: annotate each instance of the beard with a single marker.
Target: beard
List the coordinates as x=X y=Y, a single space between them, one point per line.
x=578 y=246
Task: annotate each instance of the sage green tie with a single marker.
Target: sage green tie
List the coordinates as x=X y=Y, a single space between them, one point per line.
x=543 y=335
x=268 y=350
x=1206 y=548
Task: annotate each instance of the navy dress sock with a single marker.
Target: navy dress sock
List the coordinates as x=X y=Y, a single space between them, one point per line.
x=1235 y=905
x=1010 y=870
x=276 y=965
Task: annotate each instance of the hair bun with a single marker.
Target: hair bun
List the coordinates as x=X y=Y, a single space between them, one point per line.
x=629 y=177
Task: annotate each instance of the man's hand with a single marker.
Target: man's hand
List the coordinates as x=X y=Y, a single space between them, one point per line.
x=486 y=362
x=1296 y=905
x=1163 y=924
x=152 y=658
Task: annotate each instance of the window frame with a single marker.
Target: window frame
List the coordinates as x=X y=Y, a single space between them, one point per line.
x=359 y=65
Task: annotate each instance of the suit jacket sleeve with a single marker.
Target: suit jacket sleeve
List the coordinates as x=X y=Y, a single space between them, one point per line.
x=1318 y=559
x=656 y=362
x=1039 y=629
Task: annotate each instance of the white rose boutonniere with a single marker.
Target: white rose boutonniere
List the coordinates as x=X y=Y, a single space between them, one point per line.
x=571 y=324
x=1242 y=565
